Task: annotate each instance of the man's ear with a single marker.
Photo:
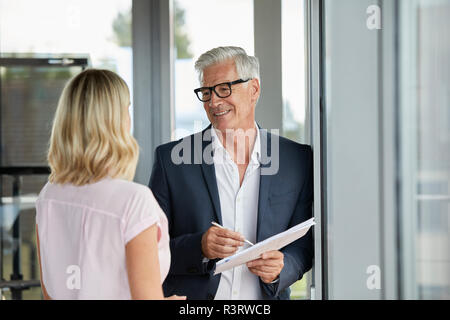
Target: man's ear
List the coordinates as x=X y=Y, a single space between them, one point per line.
x=255 y=89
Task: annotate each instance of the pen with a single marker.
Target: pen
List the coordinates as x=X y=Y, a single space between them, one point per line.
x=218 y=225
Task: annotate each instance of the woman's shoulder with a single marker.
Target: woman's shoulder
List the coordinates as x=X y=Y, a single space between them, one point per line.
x=137 y=199
x=50 y=191
x=128 y=187
x=43 y=193
x=133 y=193
x=109 y=194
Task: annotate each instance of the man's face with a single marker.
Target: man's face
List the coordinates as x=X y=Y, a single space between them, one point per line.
x=236 y=111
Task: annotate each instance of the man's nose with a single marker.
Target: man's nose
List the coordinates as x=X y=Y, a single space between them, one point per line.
x=215 y=99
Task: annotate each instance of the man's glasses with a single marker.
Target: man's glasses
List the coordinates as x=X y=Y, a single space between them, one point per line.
x=222 y=90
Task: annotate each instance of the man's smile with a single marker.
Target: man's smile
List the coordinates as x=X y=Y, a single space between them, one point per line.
x=221 y=114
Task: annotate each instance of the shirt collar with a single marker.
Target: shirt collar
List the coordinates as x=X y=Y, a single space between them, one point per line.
x=256 y=153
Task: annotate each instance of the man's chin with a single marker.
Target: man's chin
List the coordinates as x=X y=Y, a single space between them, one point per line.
x=222 y=125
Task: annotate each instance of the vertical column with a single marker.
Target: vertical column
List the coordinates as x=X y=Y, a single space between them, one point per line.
x=354 y=150
x=316 y=132
x=152 y=78
x=389 y=88
x=16 y=293
x=267 y=19
x=1 y=185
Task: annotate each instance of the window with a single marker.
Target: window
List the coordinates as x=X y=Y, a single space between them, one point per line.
x=425 y=152
x=99 y=33
x=294 y=91
x=293 y=61
x=201 y=25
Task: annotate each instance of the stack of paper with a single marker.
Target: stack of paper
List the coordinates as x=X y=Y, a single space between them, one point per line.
x=275 y=242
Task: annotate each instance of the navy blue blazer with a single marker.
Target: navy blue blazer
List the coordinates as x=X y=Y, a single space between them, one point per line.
x=187 y=193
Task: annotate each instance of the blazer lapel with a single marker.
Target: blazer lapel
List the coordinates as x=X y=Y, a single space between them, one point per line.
x=209 y=173
x=264 y=183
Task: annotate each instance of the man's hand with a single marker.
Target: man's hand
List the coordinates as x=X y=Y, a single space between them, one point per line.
x=220 y=243
x=268 y=267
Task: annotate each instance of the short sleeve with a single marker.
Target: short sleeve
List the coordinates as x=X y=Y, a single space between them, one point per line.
x=142 y=213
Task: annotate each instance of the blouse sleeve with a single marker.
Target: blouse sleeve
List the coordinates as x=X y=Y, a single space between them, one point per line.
x=142 y=213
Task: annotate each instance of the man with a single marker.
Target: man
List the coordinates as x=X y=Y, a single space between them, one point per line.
x=253 y=183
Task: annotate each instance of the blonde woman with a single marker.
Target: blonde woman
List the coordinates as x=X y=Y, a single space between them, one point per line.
x=99 y=235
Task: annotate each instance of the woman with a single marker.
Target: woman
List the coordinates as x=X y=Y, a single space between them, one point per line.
x=99 y=235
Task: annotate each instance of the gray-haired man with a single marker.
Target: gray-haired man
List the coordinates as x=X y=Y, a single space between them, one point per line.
x=234 y=188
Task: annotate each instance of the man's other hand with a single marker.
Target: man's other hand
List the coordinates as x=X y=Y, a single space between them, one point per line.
x=268 y=267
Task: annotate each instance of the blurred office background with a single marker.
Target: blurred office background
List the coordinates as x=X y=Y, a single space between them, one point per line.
x=365 y=82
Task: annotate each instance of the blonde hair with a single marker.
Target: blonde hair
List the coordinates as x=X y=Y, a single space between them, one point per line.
x=90 y=139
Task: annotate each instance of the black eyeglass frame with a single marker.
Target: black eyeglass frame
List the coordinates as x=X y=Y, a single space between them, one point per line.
x=213 y=88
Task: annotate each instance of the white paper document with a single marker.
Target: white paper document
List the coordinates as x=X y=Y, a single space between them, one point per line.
x=275 y=242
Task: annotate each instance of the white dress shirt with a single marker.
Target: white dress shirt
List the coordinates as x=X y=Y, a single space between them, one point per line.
x=239 y=207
